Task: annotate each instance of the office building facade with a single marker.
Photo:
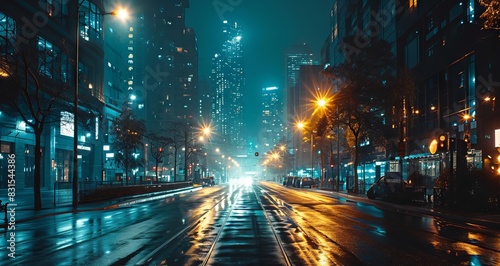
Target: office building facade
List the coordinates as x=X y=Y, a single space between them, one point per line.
x=45 y=31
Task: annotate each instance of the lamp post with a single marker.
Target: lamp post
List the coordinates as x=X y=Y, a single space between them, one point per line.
x=283 y=151
x=338 y=151
x=75 y=110
x=312 y=155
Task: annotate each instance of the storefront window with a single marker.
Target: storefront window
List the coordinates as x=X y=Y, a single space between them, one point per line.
x=62 y=164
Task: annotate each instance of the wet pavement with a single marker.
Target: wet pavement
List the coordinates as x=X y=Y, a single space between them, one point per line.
x=248 y=233
x=490 y=219
x=246 y=237
x=24 y=209
x=24 y=203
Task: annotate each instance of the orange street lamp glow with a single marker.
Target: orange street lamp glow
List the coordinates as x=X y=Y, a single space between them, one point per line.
x=301 y=125
x=120 y=13
x=321 y=102
x=205 y=129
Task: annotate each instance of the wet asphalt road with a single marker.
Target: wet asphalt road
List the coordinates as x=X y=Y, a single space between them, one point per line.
x=313 y=228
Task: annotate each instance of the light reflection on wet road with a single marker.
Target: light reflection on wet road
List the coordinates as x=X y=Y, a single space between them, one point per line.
x=104 y=237
x=379 y=236
x=314 y=229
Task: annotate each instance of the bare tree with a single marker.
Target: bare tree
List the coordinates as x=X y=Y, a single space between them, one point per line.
x=159 y=144
x=361 y=99
x=177 y=134
x=33 y=87
x=181 y=132
x=127 y=134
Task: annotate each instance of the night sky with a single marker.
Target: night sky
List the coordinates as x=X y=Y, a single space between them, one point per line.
x=269 y=26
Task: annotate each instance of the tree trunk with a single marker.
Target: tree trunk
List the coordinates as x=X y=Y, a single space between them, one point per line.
x=157 y=159
x=186 y=153
x=175 y=165
x=126 y=166
x=355 y=165
x=38 y=162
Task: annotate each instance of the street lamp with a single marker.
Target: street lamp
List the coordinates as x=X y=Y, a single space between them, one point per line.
x=283 y=150
x=122 y=13
x=467 y=130
x=338 y=150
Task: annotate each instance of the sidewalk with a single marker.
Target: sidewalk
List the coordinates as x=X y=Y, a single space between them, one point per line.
x=25 y=211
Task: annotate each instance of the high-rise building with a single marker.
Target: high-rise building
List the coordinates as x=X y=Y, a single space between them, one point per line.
x=49 y=30
x=293 y=58
x=456 y=69
x=205 y=104
x=170 y=67
x=228 y=82
x=118 y=69
x=362 y=20
x=272 y=117
x=453 y=63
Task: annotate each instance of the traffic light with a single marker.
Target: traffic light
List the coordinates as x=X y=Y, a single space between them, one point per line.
x=442 y=143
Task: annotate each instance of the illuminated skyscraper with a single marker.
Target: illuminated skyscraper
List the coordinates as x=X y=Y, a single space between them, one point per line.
x=228 y=82
x=272 y=116
x=170 y=66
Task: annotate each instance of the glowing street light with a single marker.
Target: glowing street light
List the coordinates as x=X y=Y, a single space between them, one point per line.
x=121 y=13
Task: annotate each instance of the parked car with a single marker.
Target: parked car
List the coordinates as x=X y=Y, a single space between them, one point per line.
x=391 y=186
x=296 y=181
x=288 y=181
x=207 y=182
x=308 y=182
